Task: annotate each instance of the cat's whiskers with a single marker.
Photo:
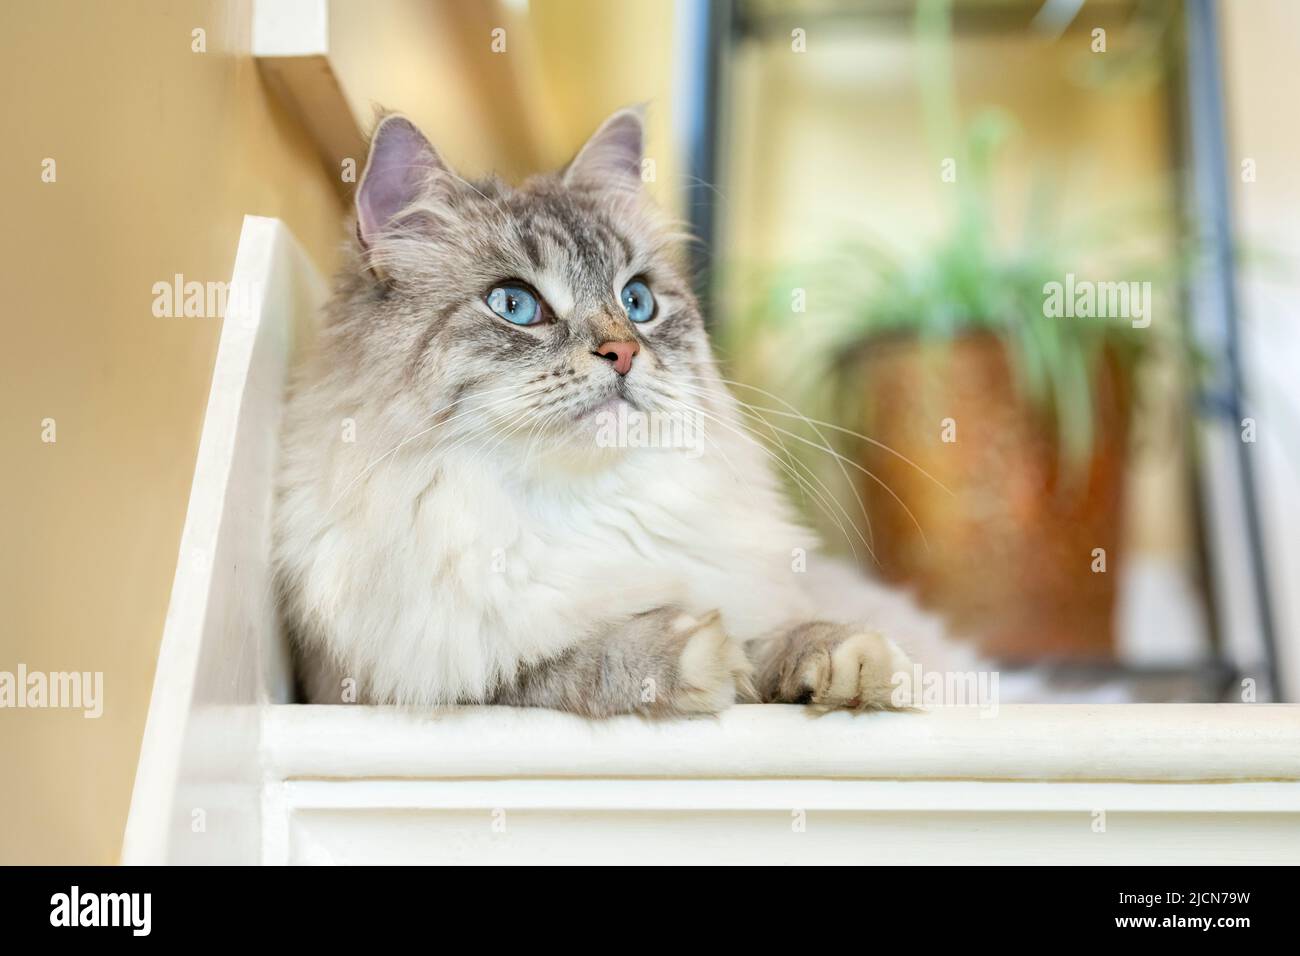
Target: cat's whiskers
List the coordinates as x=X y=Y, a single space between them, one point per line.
x=707 y=437
x=542 y=423
x=853 y=464
x=697 y=181
x=502 y=426
x=520 y=420
x=823 y=498
x=852 y=485
x=549 y=413
x=700 y=412
x=869 y=539
x=424 y=431
x=421 y=471
x=495 y=420
x=811 y=422
x=497 y=390
x=434 y=414
x=749 y=410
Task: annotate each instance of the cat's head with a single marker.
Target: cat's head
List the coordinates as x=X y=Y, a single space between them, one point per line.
x=490 y=310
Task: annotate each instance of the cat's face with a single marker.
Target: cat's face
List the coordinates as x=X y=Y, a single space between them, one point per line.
x=519 y=312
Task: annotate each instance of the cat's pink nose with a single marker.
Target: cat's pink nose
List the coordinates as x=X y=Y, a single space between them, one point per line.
x=618 y=354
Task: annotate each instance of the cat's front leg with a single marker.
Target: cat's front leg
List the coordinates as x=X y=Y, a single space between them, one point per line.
x=660 y=663
x=831 y=665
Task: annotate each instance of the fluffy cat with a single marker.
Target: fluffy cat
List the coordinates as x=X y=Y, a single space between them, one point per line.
x=448 y=528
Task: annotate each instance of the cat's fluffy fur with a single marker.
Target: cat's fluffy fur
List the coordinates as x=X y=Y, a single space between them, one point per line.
x=471 y=543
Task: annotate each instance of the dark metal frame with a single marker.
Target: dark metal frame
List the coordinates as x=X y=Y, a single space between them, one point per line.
x=1214 y=310
x=1215 y=315
x=714 y=34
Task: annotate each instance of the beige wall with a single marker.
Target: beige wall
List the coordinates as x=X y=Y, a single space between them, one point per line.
x=566 y=65
x=160 y=152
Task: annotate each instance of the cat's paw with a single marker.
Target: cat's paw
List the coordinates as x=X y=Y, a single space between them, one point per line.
x=858 y=671
x=711 y=666
x=834 y=666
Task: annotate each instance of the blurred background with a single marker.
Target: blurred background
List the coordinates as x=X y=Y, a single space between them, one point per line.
x=883 y=193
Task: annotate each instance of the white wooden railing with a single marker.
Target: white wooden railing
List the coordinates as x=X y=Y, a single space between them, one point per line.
x=229 y=772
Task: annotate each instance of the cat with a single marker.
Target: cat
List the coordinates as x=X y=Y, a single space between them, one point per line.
x=448 y=530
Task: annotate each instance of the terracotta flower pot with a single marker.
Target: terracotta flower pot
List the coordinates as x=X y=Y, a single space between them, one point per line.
x=1013 y=555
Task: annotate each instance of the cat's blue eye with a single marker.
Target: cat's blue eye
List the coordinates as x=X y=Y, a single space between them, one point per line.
x=515 y=305
x=637 y=301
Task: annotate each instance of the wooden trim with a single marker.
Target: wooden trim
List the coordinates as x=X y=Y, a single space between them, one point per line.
x=291 y=44
x=811 y=821
x=216 y=665
x=310 y=90
x=1137 y=742
x=809 y=793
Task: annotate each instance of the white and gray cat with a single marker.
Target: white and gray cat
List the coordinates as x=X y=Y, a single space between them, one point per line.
x=449 y=530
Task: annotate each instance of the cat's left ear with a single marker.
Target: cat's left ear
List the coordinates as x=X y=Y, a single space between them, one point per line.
x=612 y=157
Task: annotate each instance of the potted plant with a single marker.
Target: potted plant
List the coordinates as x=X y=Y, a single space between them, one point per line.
x=995 y=474
x=978 y=398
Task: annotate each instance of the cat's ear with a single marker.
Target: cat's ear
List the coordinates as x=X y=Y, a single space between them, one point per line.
x=402 y=167
x=612 y=157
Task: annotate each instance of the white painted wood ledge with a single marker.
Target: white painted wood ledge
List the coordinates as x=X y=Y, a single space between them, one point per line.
x=291 y=43
x=230 y=773
x=777 y=784
x=1109 y=742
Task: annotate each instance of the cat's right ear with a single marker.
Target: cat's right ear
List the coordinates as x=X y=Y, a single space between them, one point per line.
x=402 y=167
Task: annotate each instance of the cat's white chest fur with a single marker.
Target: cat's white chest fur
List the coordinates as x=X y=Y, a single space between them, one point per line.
x=437 y=591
